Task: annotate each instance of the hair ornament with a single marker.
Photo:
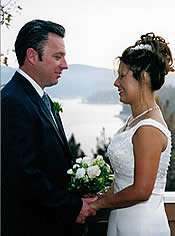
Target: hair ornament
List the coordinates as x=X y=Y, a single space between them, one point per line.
x=142 y=47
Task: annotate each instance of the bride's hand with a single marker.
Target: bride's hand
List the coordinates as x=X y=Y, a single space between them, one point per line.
x=97 y=204
x=94 y=205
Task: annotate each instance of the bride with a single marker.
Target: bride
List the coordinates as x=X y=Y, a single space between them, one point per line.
x=140 y=152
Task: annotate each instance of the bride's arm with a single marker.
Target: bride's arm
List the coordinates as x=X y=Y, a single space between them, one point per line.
x=148 y=143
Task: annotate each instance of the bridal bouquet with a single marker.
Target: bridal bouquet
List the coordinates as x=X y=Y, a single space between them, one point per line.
x=90 y=175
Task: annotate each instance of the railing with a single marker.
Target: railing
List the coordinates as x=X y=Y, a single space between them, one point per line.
x=100 y=226
x=170 y=209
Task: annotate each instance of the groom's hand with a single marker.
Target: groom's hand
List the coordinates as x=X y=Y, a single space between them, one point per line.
x=86 y=210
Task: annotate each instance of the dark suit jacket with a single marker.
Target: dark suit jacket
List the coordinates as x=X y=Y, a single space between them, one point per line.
x=35 y=160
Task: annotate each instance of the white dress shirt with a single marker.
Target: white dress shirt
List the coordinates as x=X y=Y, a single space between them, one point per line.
x=38 y=89
x=33 y=83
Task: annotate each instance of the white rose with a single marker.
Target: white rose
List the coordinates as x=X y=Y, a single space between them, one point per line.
x=80 y=173
x=99 y=157
x=87 y=160
x=93 y=171
x=108 y=167
x=69 y=171
x=100 y=160
x=75 y=166
x=79 y=160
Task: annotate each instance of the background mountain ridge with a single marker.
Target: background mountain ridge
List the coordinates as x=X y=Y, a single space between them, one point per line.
x=92 y=84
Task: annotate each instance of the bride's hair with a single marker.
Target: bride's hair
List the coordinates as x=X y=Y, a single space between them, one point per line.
x=151 y=54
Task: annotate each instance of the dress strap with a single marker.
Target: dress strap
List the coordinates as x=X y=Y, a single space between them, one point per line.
x=153 y=123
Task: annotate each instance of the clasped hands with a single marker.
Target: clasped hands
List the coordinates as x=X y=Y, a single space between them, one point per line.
x=91 y=205
x=86 y=210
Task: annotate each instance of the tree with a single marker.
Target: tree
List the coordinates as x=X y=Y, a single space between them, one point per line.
x=75 y=148
x=102 y=146
x=169 y=117
x=7 y=12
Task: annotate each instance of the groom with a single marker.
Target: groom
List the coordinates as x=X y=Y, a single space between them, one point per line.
x=35 y=152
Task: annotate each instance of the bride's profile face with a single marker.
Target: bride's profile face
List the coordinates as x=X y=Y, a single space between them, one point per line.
x=128 y=86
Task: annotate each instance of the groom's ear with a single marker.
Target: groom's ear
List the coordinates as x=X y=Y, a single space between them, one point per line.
x=32 y=56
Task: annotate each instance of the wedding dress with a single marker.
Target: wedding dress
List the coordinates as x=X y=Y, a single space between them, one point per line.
x=147 y=218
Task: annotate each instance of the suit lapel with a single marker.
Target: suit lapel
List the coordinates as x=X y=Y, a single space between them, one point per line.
x=48 y=115
x=37 y=99
x=60 y=126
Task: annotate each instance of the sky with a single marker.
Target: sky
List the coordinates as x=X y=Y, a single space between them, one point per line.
x=97 y=31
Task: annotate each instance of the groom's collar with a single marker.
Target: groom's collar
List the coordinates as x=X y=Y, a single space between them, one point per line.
x=33 y=83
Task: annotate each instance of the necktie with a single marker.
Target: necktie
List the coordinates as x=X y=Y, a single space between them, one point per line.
x=46 y=100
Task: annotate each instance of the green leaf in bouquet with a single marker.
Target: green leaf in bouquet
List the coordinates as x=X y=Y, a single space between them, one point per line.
x=92 y=180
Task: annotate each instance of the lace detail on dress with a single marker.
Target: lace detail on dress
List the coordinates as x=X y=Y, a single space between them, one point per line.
x=121 y=156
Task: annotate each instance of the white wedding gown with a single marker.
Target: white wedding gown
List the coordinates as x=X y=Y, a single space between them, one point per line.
x=147 y=218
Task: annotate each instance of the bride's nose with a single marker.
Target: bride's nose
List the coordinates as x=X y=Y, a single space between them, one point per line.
x=116 y=82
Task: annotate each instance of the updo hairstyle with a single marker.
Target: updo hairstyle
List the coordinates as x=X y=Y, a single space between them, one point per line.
x=151 y=54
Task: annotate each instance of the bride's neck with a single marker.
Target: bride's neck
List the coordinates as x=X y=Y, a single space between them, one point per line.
x=139 y=108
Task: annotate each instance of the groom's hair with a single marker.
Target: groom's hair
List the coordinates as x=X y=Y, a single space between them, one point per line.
x=34 y=34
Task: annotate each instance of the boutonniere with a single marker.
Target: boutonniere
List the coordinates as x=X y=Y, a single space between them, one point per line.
x=57 y=107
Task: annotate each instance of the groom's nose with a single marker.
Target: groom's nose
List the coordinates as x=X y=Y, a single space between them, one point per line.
x=64 y=65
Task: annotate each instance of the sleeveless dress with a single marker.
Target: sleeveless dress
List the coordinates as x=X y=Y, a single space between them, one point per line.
x=147 y=218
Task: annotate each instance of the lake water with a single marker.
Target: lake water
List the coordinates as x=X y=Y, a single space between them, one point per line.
x=86 y=122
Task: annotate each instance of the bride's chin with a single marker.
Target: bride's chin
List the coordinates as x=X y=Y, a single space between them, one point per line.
x=123 y=101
